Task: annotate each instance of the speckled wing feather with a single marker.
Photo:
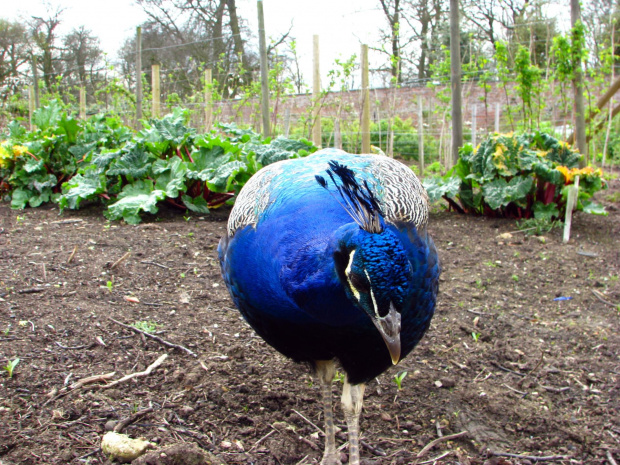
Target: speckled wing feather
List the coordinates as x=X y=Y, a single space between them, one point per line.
x=401 y=197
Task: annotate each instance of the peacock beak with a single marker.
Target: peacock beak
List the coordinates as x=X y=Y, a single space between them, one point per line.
x=389 y=328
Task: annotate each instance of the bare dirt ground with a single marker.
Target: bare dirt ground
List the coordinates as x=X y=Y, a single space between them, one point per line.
x=521 y=372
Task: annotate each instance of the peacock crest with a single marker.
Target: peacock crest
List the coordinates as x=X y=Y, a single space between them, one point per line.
x=357 y=199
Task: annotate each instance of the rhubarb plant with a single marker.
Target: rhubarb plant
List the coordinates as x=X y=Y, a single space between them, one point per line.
x=517 y=176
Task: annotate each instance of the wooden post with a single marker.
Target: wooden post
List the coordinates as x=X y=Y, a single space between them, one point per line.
x=455 y=80
x=287 y=121
x=420 y=135
x=156 y=91
x=497 y=110
x=31 y=106
x=473 y=125
x=337 y=134
x=208 y=100
x=570 y=205
x=264 y=71
x=82 y=103
x=365 y=102
x=35 y=77
x=316 y=93
x=138 y=76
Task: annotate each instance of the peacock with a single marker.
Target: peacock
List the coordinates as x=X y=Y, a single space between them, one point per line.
x=328 y=259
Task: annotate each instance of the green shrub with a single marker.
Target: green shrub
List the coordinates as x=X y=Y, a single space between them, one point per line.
x=517 y=176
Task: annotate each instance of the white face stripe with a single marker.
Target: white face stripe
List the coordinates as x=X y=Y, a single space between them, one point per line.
x=347 y=272
x=372 y=296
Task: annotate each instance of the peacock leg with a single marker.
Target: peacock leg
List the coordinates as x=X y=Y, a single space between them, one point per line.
x=325 y=371
x=352 y=400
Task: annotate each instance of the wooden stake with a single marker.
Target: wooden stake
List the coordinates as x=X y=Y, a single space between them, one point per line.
x=570 y=205
x=497 y=110
x=420 y=135
x=156 y=91
x=316 y=93
x=208 y=100
x=473 y=125
x=264 y=70
x=138 y=76
x=82 y=103
x=31 y=106
x=365 y=102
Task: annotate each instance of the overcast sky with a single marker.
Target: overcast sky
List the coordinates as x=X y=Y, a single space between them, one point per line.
x=341 y=25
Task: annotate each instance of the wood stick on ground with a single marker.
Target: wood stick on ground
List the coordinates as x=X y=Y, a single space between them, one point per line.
x=599 y=296
x=121 y=425
x=533 y=458
x=147 y=262
x=120 y=260
x=610 y=458
x=445 y=454
x=139 y=374
x=156 y=338
x=72 y=256
x=433 y=443
x=67 y=221
x=90 y=380
x=309 y=422
x=31 y=290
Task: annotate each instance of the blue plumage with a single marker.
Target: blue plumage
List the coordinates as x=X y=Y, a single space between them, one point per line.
x=327 y=257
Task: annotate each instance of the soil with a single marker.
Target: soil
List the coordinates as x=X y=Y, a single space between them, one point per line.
x=522 y=355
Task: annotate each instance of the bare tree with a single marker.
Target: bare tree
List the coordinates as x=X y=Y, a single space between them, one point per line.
x=13 y=53
x=44 y=35
x=81 y=54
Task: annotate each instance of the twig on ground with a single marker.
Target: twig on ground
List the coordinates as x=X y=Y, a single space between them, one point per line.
x=68 y=221
x=506 y=369
x=433 y=443
x=554 y=389
x=533 y=458
x=473 y=310
x=121 y=425
x=139 y=374
x=31 y=290
x=610 y=458
x=120 y=260
x=73 y=347
x=156 y=338
x=262 y=439
x=309 y=422
x=78 y=384
x=72 y=256
x=516 y=390
x=445 y=454
x=147 y=262
x=600 y=296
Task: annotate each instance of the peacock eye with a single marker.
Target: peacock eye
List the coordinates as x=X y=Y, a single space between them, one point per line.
x=359 y=283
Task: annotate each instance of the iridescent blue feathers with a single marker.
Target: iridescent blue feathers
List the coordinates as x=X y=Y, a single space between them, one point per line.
x=358 y=201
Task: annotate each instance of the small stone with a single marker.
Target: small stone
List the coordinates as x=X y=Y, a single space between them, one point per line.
x=438 y=384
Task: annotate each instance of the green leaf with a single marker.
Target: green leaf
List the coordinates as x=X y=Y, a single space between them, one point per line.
x=223 y=177
x=170 y=176
x=206 y=161
x=48 y=116
x=545 y=212
x=82 y=187
x=134 y=199
x=594 y=209
x=20 y=198
x=499 y=193
x=438 y=187
x=135 y=164
x=198 y=204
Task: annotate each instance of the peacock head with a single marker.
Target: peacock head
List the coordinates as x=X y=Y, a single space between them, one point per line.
x=370 y=260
